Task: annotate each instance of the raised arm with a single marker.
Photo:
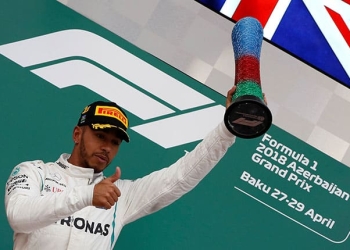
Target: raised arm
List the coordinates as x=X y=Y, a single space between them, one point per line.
x=159 y=189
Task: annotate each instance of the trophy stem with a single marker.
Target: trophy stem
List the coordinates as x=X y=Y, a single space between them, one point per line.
x=247 y=116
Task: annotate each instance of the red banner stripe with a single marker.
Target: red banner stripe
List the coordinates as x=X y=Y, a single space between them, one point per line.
x=339 y=22
x=259 y=9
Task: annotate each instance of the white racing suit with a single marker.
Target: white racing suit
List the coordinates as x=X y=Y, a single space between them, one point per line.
x=49 y=205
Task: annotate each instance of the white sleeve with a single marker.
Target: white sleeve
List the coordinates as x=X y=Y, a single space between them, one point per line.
x=159 y=189
x=27 y=210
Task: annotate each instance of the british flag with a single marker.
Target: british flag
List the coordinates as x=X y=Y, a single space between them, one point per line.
x=315 y=31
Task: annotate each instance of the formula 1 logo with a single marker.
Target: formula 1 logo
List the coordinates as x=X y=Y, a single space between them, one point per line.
x=78 y=57
x=315 y=31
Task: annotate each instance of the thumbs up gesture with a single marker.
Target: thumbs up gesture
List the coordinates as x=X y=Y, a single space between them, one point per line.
x=106 y=192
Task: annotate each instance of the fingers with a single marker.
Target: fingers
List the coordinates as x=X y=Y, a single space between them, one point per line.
x=106 y=193
x=265 y=100
x=109 y=203
x=116 y=193
x=116 y=175
x=112 y=198
x=229 y=96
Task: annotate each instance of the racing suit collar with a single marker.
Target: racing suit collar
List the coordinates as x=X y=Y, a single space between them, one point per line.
x=76 y=171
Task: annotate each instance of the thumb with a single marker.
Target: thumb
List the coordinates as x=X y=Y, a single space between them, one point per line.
x=229 y=96
x=116 y=175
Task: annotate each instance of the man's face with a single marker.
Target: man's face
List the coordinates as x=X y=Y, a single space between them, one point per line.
x=97 y=148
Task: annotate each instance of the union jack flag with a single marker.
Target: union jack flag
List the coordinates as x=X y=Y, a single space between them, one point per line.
x=316 y=32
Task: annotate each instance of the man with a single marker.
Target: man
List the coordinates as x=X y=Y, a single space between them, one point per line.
x=69 y=204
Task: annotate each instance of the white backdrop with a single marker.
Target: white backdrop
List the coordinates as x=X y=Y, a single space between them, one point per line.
x=197 y=41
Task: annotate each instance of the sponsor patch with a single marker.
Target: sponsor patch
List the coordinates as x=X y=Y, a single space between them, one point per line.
x=111 y=112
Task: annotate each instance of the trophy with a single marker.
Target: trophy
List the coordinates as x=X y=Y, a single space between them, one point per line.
x=247 y=116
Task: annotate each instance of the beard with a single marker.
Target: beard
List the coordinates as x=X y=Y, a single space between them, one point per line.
x=83 y=154
x=85 y=158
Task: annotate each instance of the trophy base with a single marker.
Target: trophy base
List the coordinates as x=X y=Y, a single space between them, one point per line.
x=248 y=117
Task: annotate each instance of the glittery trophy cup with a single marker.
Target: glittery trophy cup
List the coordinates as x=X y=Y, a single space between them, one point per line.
x=247 y=116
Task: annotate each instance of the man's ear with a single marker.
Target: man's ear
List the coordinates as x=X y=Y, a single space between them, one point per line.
x=77 y=134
